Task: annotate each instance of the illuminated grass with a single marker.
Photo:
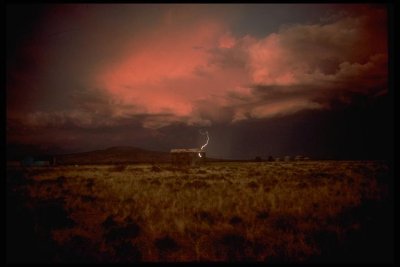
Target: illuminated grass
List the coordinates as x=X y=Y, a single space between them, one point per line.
x=217 y=212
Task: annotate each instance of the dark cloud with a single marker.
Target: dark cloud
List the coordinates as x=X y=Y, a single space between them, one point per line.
x=99 y=75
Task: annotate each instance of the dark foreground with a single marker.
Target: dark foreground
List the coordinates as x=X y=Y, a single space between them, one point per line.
x=315 y=211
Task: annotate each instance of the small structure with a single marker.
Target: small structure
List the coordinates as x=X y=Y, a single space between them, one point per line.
x=299 y=158
x=188 y=156
x=287 y=158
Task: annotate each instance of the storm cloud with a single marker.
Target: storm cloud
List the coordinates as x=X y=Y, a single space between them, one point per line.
x=137 y=69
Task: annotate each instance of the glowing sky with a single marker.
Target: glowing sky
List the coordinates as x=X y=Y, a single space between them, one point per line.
x=81 y=77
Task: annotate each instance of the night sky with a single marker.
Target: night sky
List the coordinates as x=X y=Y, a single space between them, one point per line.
x=262 y=79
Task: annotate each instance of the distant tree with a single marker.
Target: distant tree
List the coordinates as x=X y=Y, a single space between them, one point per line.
x=54 y=161
x=270 y=158
x=258 y=159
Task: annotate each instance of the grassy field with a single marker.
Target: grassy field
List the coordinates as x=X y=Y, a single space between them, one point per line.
x=311 y=211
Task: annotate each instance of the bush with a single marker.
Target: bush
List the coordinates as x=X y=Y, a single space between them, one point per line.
x=258 y=159
x=119 y=168
x=155 y=168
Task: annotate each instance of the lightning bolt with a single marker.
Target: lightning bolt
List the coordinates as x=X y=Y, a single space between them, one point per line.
x=203 y=146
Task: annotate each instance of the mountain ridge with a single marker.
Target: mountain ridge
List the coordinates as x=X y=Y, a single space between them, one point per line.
x=114 y=155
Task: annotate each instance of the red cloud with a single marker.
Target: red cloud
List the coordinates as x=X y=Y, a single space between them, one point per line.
x=166 y=75
x=191 y=73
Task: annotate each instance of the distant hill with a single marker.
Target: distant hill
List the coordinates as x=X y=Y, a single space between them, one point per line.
x=114 y=155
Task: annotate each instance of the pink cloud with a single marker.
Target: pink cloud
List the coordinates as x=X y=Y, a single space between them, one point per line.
x=226 y=41
x=200 y=73
x=167 y=76
x=145 y=77
x=282 y=108
x=268 y=62
x=314 y=54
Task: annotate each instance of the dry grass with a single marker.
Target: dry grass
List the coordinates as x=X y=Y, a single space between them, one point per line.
x=273 y=212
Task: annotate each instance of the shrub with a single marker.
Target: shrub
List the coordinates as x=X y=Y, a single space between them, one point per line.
x=119 y=168
x=155 y=168
x=166 y=243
